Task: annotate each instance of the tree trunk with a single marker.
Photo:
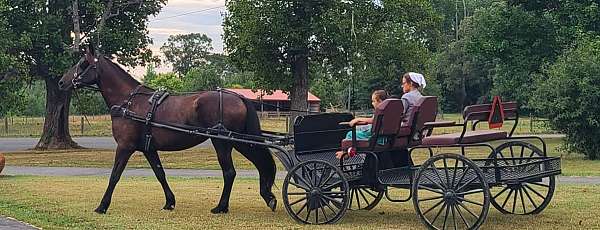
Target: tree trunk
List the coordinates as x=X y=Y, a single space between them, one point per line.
x=299 y=93
x=76 y=29
x=56 y=125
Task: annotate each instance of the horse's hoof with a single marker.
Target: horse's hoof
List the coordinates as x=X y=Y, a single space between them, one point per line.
x=218 y=210
x=169 y=207
x=273 y=204
x=100 y=210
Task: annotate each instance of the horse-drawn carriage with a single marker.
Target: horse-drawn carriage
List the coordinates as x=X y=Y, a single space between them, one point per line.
x=447 y=190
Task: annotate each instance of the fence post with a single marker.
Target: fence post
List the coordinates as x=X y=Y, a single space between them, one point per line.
x=6 y=125
x=530 y=123
x=82 y=126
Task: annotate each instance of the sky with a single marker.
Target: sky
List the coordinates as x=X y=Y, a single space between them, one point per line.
x=199 y=16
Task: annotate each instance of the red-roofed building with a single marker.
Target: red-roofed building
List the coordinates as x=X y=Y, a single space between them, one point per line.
x=278 y=99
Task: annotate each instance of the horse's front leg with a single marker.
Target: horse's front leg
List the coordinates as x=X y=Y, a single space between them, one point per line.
x=121 y=158
x=159 y=172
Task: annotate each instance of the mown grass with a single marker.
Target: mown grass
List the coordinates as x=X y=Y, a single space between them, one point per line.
x=101 y=125
x=67 y=203
x=206 y=158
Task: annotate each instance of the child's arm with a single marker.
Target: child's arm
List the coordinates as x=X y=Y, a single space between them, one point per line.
x=361 y=121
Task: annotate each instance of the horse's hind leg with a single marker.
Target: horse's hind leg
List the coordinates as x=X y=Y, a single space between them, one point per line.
x=159 y=172
x=121 y=158
x=223 y=149
x=262 y=159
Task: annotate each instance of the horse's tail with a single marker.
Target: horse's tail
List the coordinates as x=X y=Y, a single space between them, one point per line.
x=252 y=121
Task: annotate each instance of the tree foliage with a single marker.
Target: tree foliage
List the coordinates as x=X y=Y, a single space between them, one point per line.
x=43 y=39
x=571 y=92
x=187 y=51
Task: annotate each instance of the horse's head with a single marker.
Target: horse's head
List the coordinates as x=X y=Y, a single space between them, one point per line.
x=84 y=73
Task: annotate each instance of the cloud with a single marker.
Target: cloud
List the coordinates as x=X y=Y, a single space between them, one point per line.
x=165 y=31
x=196 y=3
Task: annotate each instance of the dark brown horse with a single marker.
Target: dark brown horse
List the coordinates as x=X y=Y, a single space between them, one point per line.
x=201 y=109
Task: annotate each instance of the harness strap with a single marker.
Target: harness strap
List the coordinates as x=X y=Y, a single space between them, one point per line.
x=155 y=100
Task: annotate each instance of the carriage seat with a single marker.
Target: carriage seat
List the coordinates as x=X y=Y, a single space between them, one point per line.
x=469 y=137
x=476 y=114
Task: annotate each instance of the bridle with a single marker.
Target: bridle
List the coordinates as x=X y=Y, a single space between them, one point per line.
x=78 y=77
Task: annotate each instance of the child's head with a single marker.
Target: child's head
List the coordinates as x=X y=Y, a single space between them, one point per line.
x=412 y=81
x=377 y=97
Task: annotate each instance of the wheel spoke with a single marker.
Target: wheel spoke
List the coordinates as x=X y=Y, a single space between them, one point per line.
x=507 y=197
x=470 y=192
x=503 y=190
x=514 y=202
x=299 y=185
x=430 y=189
x=308 y=214
x=433 y=182
x=298 y=201
x=469 y=211
x=301 y=180
x=533 y=190
x=470 y=201
x=357 y=199
x=431 y=198
x=521 y=156
x=463 y=175
x=302 y=208
x=298 y=193
x=454 y=174
x=334 y=193
x=332 y=185
x=438 y=176
x=370 y=193
x=461 y=216
x=328 y=205
x=307 y=172
x=503 y=157
x=438 y=214
x=432 y=207
x=512 y=155
x=337 y=203
x=464 y=185
x=327 y=180
x=522 y=200
x=446 y=216
x=528 y=196
x=446 y=173
x=363 y=196
x=454 y=217
x=323 y=211
x=540 y=184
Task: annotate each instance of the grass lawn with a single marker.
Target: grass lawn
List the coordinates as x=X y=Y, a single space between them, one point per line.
x=67 y=202
x=206 y=158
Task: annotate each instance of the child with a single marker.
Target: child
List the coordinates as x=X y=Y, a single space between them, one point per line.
x=363 y=130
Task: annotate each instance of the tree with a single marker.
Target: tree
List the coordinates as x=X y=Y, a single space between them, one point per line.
x=202 y=78
x=279 y=40
x=187 y=51
x=11 y=69
x=168 y=81
x=44 y=30
x=570 y=89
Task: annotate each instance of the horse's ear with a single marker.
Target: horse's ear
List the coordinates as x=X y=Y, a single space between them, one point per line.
x=90 y=54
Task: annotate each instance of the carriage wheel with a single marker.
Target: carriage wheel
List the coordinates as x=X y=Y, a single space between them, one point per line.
x=450 y=191
x=364 y=198
x=522 y=197
x=315 y=192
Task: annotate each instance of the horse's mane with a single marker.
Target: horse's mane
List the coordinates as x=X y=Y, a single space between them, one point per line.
x=120 y=69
